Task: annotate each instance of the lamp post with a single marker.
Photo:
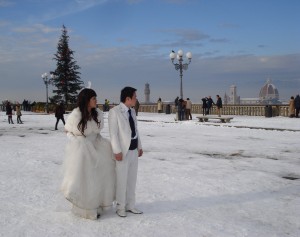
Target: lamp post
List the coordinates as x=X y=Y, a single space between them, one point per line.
x=47 y=81
x=180 y=65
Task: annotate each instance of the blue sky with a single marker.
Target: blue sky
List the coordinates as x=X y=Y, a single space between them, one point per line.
x=128 y=42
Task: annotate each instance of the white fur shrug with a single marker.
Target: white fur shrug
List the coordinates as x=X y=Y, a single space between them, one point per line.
x=74 y=118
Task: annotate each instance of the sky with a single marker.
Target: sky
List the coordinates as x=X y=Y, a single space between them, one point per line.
x=194 y=179
x=121 y=43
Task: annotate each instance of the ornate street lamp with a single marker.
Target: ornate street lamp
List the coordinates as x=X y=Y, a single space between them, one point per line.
x=47 y=81
x=180 y=65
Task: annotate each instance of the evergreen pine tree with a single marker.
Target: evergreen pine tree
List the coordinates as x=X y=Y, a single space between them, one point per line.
x=67 y=77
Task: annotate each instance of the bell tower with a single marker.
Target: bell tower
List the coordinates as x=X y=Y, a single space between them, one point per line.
x=233 y=95
x=147 y=93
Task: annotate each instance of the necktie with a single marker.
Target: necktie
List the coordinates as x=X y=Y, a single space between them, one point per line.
x=131 y=122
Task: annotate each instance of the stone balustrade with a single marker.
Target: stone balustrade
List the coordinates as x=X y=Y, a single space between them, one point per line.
x=249 y=110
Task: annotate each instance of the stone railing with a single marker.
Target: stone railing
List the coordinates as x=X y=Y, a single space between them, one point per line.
x=249 y=110
x=3 y=107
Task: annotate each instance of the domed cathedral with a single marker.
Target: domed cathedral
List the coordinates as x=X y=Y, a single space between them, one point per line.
x=269 y=94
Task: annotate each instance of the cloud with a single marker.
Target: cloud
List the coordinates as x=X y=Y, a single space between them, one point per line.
x=4 y=23
x=70 y=8
x=36 y=28
x=261 y=46
x=182 y=38
x=6 y=3
x=121 y=40
x=188 y=34
x=248 y=63
x=110 y=69
x=223 y=40
x=86 y=4
x=21 y=44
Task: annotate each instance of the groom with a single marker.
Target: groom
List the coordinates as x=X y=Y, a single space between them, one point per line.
x=127 y=147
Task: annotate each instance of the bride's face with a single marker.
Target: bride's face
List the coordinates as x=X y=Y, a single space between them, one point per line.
x=92 y=103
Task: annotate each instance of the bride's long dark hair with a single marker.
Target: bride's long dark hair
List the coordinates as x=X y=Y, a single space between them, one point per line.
x=82 y=102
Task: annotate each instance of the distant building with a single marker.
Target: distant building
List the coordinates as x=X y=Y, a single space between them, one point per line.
x=269 y=93
x=147 y=93
x=249 y=101
x=233 y=98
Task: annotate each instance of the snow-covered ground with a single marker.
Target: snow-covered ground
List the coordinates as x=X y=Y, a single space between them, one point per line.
x=195 y=179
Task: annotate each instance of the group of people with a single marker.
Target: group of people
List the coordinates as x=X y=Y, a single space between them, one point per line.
x=27 y=105
x=294 y=106
x=184 y=109
x=10 y=112
x=208 y=102
x=99 y=172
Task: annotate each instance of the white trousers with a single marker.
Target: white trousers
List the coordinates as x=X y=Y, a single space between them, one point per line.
x=126 y=171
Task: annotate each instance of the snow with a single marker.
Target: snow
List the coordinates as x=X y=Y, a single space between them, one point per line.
x=195 y=179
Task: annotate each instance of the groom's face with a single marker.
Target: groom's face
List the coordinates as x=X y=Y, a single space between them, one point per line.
x=131 y=101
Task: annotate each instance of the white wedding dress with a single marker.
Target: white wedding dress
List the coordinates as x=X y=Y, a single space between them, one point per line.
x=89 y=168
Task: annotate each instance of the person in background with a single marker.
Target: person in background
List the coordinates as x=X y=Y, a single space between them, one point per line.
x=188 y=109
x=181 y=110
x=209 y=104
x=25 y=105
x=159 y=105
x=219 y=105
x=136 y=107
x=176 y=102
x=18 y=112
x=9 y=112
x=89 y=165
x=204 y=106
x=297 y=105
x=292 y=107
x=59 y=114
x=106 y=105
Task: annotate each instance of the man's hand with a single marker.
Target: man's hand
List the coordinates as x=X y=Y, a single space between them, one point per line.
x=140 y=152
x=118 y=156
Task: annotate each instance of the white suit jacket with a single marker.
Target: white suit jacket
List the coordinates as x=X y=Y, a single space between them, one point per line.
x=119 y=129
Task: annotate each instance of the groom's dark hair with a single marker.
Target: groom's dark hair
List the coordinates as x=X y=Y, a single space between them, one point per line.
x=127 y=92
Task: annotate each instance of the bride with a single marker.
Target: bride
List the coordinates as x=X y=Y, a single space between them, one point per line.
x=89 y=166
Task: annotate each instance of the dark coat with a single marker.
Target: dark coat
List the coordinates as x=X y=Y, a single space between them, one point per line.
x=59 y=111
x=209 y=102
x=204 y=103
x=137 y=105
x=297 y=102
x=219 y=103
x=176 y=101
x=8 y=109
